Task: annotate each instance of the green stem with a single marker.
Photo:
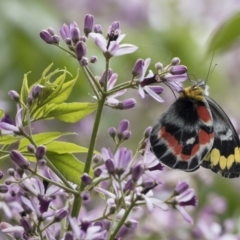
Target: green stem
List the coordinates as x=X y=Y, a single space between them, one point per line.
x=122 y=221
x=77 y=200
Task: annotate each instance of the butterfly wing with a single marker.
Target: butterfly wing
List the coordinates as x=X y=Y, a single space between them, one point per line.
x=224 y=156
x=183 y=135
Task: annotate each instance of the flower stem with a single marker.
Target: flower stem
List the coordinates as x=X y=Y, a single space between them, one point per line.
x=122 y=221
x=77 y=200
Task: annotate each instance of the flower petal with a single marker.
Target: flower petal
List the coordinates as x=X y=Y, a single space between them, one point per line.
x=153 y=94
x=121 y=37
x=125 y=49
x=184 y=213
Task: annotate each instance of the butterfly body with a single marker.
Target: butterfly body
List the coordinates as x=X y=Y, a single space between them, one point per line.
x=194 y=131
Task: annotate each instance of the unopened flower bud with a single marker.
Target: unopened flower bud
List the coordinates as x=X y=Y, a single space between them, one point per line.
x=30 y=100
x=19 y=159
x=36 y=90
x=40 y=152
x=181 y=187
x=56 y=39
x=112 y=210
x=81 y=50
x=14 y=95
x=86 y=179
x=138 y=68
x=46 y=37
x=98 y=29
x=93 y=59
x=131 y=223
x=75 y=33
x=137 y=172
x=88 y=24
x=3 y=188
x=110 y=166
x=126 y=135
x=68 y=236
x=8 y=182
x=84 y=61
x=11 y=172
x=159 y=66
x=97 y=158
x=51 y=31
x=127 y=104
x=97 y=172
x=112 y=132
x=31 y=148
x=147 y=132
x=175 y=61
x=179 y=69
x=60 y=215
x=123 y=126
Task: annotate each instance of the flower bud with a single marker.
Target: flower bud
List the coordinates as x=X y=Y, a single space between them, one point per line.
x=137 y=172
x=127 y=104
x=8 y=182
x=93 y=59
x=31 y=148
x=60 y=215
x=123 y=126
x=19 y=159
x=56 y=39
x=97 y=158
x=159 y=66
x=40 y=152
x=3 y=188
x=97 y=172
x=14 y=95
x=98 y=29
x=138 y=68
x=112 y=132
x=36 y=90
x=46 y=37
x=86 y=179
x=81 y=50
x=110 y=166
x=175 y=61
x=131 y=223
x=179 y=69
x=11 y=172
x=84 y=61
x=26 y=225
x=75 y=33
x=68 y=236
x=147 y=132
x=51 y=31
x=126 y=135
x=88 y=24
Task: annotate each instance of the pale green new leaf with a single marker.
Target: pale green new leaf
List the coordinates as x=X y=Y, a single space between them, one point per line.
x=42 y=139
x=8 y=139
x=69 y=166
x=225 y=35
x=24 y=90
x=69 y=112
x=65 y=147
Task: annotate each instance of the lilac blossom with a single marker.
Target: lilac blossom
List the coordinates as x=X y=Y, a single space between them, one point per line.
x=8 y=126
x=112 y=48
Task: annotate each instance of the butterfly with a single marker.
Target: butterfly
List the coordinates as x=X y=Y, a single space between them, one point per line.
x=195 y=131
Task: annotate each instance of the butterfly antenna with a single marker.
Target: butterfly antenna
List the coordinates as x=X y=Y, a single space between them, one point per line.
x=209 y=69
x=170 y=89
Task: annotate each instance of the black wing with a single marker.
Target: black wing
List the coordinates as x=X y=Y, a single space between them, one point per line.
x=224 y=156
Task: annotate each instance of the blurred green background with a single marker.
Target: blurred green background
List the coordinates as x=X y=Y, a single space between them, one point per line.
x=162 y=29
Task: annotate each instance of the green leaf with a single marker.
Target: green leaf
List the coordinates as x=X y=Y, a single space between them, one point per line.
x=8 y=139
x=1 y=113
x=70 y=167
x=42 y=139
x=225 y=35
x=24 y=89
x=69 y=112
x=65 y=147
x=65 y=91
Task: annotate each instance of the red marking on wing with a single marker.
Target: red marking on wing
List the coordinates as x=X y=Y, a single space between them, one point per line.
x=185 y=157
x=168 y=137
x=204 y=113
x=204 y=137
x=177 y=149
x=195 y=149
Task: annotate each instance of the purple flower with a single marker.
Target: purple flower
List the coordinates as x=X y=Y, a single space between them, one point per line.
x=183 y=196
x=112 y=48
x=86 y=230
x=8 y=126
x=68 y=33
x=143 y=84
